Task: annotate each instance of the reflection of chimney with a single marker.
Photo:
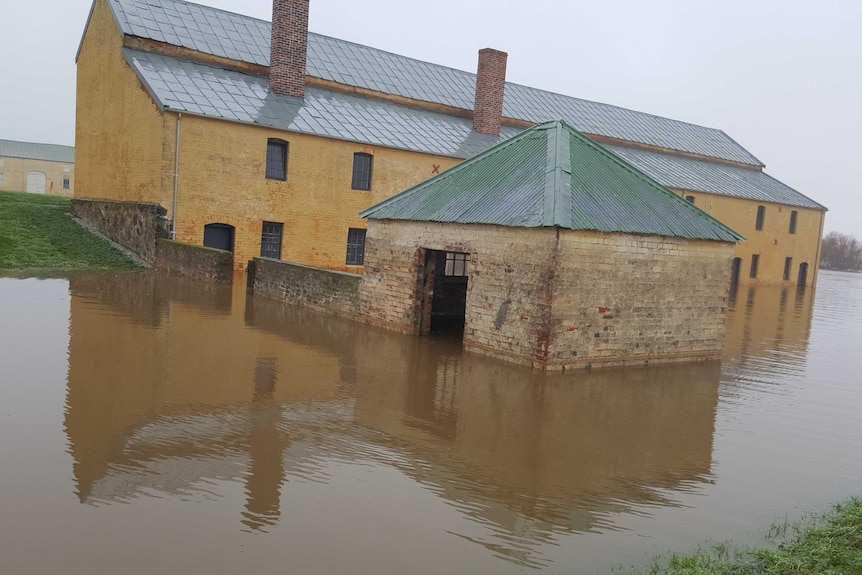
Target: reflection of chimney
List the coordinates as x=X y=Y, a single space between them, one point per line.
x=490 y=85
x=288 y=47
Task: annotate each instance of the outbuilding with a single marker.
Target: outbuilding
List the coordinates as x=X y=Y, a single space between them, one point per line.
x=550 y=251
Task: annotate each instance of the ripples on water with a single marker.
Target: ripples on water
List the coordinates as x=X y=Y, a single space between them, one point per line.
x=152 y=410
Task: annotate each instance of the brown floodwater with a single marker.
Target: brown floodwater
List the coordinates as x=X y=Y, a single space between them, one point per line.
x=156 y=425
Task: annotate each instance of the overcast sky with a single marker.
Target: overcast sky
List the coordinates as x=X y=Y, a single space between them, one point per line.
x=781 y=77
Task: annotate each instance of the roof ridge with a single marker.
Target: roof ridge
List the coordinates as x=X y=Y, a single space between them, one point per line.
x=646 y=178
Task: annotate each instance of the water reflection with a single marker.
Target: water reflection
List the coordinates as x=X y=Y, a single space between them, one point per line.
x=174 y=386
x=768 y=333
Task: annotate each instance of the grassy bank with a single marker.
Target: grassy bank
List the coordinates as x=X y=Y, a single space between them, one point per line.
x=36 y=232
x=829 y=544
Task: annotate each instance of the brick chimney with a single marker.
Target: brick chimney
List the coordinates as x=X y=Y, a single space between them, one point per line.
x=490 y=85
x=288 y=47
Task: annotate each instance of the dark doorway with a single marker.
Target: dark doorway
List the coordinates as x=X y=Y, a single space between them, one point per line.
x=443 y=299
x=219 y=236
x=802 y=280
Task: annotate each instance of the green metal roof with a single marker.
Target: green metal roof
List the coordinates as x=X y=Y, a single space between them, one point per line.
x=552 y=175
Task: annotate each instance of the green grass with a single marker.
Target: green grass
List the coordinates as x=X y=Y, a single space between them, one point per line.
x=36 y=232
x=829 y=544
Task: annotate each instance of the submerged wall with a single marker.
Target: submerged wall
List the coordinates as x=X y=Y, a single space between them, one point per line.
x=198 y=262
x=134 y=225
x=557 y=299
x=326 y=290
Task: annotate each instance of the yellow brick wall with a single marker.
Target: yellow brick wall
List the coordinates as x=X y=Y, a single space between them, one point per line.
x=123 y=143
x=222 y=180
x=774 y=242
x=15 y=170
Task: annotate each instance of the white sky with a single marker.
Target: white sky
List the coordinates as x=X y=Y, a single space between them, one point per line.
x=782 y=77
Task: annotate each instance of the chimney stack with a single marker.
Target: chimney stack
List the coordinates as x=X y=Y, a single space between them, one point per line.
x=288 y=47
x=490 y=85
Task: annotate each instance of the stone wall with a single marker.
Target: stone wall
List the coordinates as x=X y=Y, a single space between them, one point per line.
x=622 y=299
x=558 y=299
x=135 y=226
x=508 y=295
x=326 y=290
x=196 y=262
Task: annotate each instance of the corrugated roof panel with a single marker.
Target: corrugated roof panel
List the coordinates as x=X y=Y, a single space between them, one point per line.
x=230 y=35
x=33 y=151
x=551 y=175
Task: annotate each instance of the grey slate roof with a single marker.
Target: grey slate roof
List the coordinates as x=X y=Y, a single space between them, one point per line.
x=712 y=177
x=49 y=152
x=230 y=35
x=205 y=90
x=29 y=150
x=214 y=92
x=551 y=175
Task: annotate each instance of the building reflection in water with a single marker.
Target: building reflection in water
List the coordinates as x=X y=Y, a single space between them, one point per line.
x=175 y=386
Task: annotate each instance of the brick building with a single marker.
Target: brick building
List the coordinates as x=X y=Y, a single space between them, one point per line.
x=550 y=251
x=274 y=147
x=37 y=168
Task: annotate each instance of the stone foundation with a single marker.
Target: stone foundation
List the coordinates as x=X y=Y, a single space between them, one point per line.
x=196 y=262
x=133 y=225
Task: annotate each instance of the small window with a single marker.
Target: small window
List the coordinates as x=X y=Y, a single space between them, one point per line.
x=66 y=182
x=361 y=171
x=270 y=240
x=689 y=199
x=355 y=247
x=761 y=212
x=755 y=259
x=276 y=159
x=788 y=265
x=456 y=264
x=793 y=215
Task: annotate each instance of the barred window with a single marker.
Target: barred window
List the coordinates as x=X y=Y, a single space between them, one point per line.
x=456 y=264
x=361 y=171
x=276 y=159
x=270 y=240
x=355 y=247
x=66 y=182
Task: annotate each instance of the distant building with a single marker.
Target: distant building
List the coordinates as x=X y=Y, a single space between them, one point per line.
x=37 y=168
x=268 y=140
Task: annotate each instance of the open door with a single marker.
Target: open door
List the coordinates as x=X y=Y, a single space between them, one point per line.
x=443 y=284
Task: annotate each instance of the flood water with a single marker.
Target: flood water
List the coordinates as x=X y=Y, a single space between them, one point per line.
x=153 y=425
